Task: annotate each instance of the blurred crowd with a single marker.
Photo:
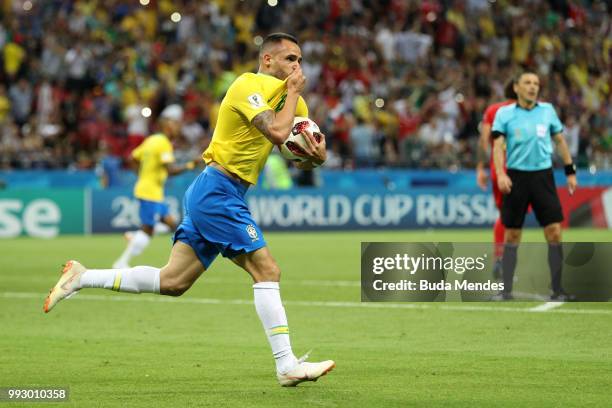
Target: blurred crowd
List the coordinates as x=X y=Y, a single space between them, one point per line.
x=391 y=82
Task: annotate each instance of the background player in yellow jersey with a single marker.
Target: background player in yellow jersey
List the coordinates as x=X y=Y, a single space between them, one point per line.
x=155 y=158
x=256 y=114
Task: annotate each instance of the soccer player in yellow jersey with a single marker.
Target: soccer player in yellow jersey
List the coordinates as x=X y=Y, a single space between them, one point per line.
x=155 y=158
x=256 y=114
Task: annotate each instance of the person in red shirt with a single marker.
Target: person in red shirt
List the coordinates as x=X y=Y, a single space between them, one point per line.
x=485 y=150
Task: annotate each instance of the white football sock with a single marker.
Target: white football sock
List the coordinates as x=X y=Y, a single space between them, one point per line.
x=274 y=320
x=139 y=241
x=134 y=280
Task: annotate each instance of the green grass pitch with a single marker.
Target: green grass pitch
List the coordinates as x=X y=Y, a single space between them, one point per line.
x=207 y=348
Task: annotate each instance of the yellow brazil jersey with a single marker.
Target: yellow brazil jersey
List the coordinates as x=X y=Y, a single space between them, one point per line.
x=153 y=154
x=236 y=144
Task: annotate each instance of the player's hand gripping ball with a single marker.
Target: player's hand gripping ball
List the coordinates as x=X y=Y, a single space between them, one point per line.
x=294 y=147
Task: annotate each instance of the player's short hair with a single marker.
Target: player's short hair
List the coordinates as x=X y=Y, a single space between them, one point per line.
x=276 y=38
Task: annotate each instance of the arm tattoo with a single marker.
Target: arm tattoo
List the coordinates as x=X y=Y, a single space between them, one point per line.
x=263 y=121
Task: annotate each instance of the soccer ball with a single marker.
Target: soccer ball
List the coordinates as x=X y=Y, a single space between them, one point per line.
x=294 y=147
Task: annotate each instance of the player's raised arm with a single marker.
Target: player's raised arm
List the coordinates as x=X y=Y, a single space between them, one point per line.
x=276 y=126
x=280 y=57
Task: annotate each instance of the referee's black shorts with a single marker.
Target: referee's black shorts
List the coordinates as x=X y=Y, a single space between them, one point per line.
x=531 y=187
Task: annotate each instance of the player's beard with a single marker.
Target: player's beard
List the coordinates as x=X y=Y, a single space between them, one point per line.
x=280 y=74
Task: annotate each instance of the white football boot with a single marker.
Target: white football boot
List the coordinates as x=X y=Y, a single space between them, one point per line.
x=305 y=371
x=67 y=286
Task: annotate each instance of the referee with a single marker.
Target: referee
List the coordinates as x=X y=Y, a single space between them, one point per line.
x=528 y=127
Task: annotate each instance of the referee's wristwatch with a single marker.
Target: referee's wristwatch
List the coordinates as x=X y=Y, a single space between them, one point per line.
x=570 y=169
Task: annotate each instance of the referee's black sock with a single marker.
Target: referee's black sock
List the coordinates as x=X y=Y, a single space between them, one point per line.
x=508 y=265
x=555 y=263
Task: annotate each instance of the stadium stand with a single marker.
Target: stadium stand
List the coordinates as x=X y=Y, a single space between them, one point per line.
x=410 y=79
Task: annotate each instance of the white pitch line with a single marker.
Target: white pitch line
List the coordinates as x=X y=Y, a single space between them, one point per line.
x=525 y=296
x=356 y=305
x=223 y=281
x=545 y=307
x=305 y=282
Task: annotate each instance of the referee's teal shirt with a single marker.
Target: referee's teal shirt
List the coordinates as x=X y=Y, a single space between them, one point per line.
x=528 y=135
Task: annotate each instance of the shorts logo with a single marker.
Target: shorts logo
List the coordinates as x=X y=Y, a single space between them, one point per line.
x=256 y=100
x=252 y=232
x=541 y=130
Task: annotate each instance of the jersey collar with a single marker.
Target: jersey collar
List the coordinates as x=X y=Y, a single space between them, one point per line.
x=518 y=105
x=271 y=76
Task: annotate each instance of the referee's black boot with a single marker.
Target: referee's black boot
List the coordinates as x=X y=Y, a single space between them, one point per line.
x=497 y=270
x=562 y=296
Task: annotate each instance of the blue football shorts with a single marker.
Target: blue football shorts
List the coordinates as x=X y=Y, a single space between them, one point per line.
x=151 y=211
x=216 y=218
